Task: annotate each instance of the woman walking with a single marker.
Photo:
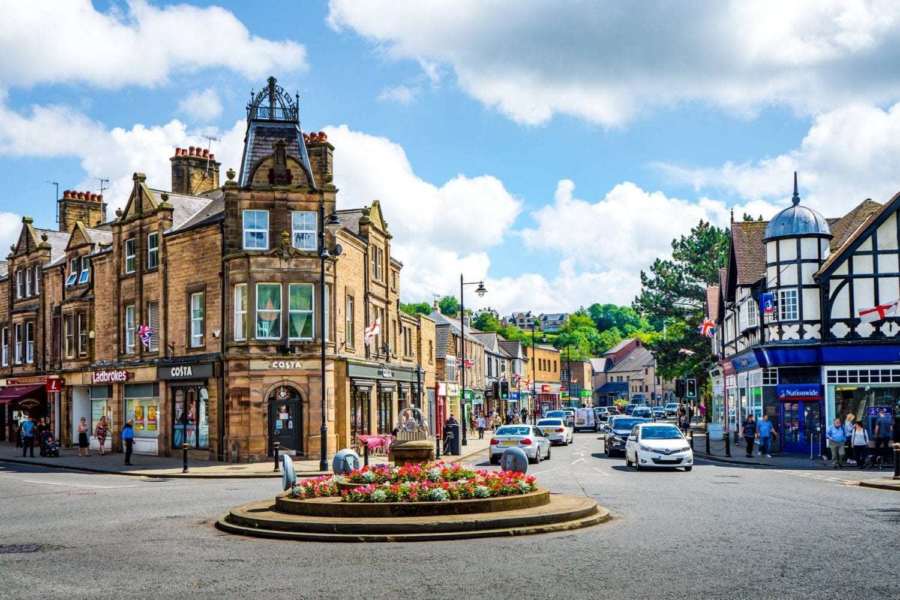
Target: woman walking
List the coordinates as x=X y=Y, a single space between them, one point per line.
x=101 y=431
x=83 y=441
x=859 y=440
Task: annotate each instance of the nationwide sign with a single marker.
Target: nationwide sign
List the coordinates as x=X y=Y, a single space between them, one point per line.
x=110 y=376
x=799 y=391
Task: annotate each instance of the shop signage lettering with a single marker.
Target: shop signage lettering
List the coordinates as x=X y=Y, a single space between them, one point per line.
x=799 y=391
x=199 y=371
x=27 y=380
x=287 y=364
x=53 y=385
x=387 y=373
x=545 y=387
x=110 y=376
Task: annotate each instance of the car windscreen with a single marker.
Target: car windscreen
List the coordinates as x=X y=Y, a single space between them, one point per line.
x=514 y=431
x=626 y=423
x=556 y=413
x=548 y=422
x=660 y=433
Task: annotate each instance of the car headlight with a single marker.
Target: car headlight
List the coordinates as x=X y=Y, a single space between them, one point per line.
x=646 y=448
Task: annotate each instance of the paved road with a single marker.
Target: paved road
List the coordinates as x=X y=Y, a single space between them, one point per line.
x=718 y=532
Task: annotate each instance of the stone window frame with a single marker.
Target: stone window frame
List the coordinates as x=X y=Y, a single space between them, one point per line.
x=240 y=316
x=84 y=274
x=192 y=292
x=29 y=343
x=4 y=346
x=295 y=231
x=37 y=280
x=17 y=349
x=279 y=311
x=132 y=257
x=152 y=251
x=82 y=329
x=74 y=270
x=130 y=333
x=69 y=335
x=349 y=322
x=311 y=311
x=245 y=230
x=153 y=324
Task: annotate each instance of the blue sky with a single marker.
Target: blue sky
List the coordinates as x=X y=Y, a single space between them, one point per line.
x=553 y=152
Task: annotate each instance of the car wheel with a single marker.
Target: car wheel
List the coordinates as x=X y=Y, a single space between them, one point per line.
x=688 y=469
x=495 y=460
x=627 y=460
x=636 y=464
x=548 y=452
x=537 y=457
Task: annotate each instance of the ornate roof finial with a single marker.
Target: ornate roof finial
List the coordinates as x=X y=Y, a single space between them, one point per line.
x=796 y=198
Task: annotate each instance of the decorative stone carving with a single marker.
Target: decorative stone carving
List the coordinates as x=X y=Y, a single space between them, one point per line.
x=279 y=174
x=811 y=332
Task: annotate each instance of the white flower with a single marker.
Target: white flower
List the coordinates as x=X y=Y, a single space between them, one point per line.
x=482 y=492
x=434 y=474
x=379 y=496
x=438 y=495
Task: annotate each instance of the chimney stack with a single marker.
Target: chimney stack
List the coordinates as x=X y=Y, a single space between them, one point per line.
x=86 y=207
x=194 y=171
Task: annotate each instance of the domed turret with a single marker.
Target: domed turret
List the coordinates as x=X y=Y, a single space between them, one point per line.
x=797 y=221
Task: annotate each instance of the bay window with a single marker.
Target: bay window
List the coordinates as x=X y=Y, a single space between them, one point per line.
x=268 y=311
x=82 y=326
x=29 y=342
x=788 y=306
x=17 y=330
x=69 y=334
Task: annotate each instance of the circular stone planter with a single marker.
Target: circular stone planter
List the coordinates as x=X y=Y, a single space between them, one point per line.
x=334 y=507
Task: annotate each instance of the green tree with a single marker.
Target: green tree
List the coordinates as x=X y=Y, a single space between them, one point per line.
x=485 y=321
x=624 y=318
x=672 y=299
x=416 y=308
x=449 y=306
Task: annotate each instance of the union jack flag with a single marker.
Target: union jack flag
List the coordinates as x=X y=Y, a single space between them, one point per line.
x=145 y=332
x=707 y=328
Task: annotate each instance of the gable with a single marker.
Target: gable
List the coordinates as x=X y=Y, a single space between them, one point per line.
x=878 y=230
x=141 y=200
x=28 y=239
x=376 y=217
x=78 y=236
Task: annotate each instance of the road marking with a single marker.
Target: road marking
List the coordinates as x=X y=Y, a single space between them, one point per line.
x=575 y=462
x=75 y=485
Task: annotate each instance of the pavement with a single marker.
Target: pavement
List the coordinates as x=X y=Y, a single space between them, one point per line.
x=171 y=467
x=723 y=531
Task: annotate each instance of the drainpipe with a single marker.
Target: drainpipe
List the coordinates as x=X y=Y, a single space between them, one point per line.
x=221 y=455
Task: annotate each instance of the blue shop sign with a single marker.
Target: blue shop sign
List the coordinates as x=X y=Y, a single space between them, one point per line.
x=514 y=395
x=799 y=391
x=745 y=362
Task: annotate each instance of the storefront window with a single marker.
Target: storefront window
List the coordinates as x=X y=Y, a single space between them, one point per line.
x=865 y=402
x=358 y=405
x=385 y=412
x=100 y=395
x=190 y=417
x=142 y=406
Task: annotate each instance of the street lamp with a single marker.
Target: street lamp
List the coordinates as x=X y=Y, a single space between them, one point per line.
x=533 y=378
x=325 y=252
x=481 y=291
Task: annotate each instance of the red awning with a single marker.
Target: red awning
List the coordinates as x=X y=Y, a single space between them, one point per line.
x=11 y=393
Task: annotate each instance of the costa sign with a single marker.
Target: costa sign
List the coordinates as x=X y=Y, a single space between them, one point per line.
x=110 y=376
x=287 y=364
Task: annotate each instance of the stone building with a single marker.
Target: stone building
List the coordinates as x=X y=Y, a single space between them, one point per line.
x=195 y=312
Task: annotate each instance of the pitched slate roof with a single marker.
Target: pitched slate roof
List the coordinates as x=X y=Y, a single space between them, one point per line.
x=600 y=365
x=749 y=251
x=637 y=359
x=212 y=212
x=511 y=348
x=619 y=346
x=58 y=241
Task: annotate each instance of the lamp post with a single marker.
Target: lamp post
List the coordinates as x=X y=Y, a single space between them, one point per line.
x=324 y=253
x=533 y=377
x=481 y=291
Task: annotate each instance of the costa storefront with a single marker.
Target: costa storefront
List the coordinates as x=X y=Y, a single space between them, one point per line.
x=189 y=387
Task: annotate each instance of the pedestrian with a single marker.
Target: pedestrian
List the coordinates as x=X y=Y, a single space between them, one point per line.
x=883 y=425
x=481 y=425
x=27 y=428
x=848 y=431
x=100 y=432
x=524 y=415
x=39 y=434
x=749 y=433
x=859 y=441
x=497 y=422
x=836 y=440
x=128 y=440
x=764 y=431
x=83 y=441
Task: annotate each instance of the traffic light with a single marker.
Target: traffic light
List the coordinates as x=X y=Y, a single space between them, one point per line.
x=504 y=389
x=691 y=388
x=679 y=388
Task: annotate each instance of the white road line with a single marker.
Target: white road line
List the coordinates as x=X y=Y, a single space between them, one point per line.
x=78 y=485
x=575 y=462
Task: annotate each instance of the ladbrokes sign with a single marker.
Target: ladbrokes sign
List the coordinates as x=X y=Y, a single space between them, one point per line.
x=110 y=376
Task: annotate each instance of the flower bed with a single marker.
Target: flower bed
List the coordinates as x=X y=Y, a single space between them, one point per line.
x=435 y=482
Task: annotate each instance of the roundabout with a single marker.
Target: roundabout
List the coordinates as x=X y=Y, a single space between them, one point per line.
x=413 y=503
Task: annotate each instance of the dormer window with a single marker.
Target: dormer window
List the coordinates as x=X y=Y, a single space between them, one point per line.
x=85 y=274
x=303 y=230
x=73 y=272
x=256 y=230
x=130 y=254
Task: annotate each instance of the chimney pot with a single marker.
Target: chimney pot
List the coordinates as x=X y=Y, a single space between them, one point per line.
x=191 y=150
x=212 y=156
x=205 y=152
x=80 y=195
x=99 y=197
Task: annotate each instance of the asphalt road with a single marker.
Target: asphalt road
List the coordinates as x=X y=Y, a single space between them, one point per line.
x=717 y=532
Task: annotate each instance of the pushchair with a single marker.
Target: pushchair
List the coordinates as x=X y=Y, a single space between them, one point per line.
x=49 y=445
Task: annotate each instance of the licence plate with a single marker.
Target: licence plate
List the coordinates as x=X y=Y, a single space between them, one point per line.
x=546 y=431
x=509 y=443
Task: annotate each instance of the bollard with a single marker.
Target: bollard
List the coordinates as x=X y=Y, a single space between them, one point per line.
x=896 y=461
x=366 y=454
x=691 y=439
x=727 y=445
x=275 y=447
x=707 y=443
x=437 y=446
x=184 y=465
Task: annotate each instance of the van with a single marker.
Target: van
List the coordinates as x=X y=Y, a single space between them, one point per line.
x=584 y=419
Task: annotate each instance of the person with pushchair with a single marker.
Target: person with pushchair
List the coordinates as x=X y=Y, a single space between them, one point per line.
x=49 y=445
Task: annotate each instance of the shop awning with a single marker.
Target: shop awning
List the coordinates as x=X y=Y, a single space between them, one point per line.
x=613 y=387
x=11 y=393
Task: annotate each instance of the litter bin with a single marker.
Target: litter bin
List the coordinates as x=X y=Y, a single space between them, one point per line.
x=451 y=439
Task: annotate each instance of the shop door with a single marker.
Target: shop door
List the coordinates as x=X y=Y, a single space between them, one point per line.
x=285 y=422
x=800 y=426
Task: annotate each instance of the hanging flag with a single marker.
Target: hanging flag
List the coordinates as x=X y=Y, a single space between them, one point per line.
x=372 y=331
x=145 y=332
x=767 y=300
x=707 y=328
x=879 y=312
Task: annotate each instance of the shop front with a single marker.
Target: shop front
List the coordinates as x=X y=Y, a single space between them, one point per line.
x=800 y=423
x=36 y=396
x=379 y=395
x=91 y=403
x=870 y=392
x=188 y=386
x=548 y=397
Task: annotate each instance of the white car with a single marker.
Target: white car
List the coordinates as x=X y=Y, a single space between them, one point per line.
x=556 y=431
x=527 y=437
x=658 y=445
x=584 y=419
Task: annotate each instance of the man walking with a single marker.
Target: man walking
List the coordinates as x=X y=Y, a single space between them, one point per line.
x=128 y=440
x=749 y=434
x=883 y=425
x=480 y=423
x=836 y=437
x=27 y=436
x=764 y=432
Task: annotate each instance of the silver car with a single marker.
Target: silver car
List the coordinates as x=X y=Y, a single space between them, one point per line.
x=527 y=437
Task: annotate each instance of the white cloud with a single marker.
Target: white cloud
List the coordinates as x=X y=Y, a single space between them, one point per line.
x=605 y=62
x=43 y=41
x=848 y=154
x=401 y=94
x=202 y=106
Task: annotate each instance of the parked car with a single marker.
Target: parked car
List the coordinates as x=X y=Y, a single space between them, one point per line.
x=638 y=399
x=570 y=415
x=584 y=419
x=619 y=428
x=601 y=414
x=658 y=445
x=671 y=409
x=556 y=414
x=629 y=408
x=527 y=437
x=659 y=412
x=642 y=411
x=556 y=431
